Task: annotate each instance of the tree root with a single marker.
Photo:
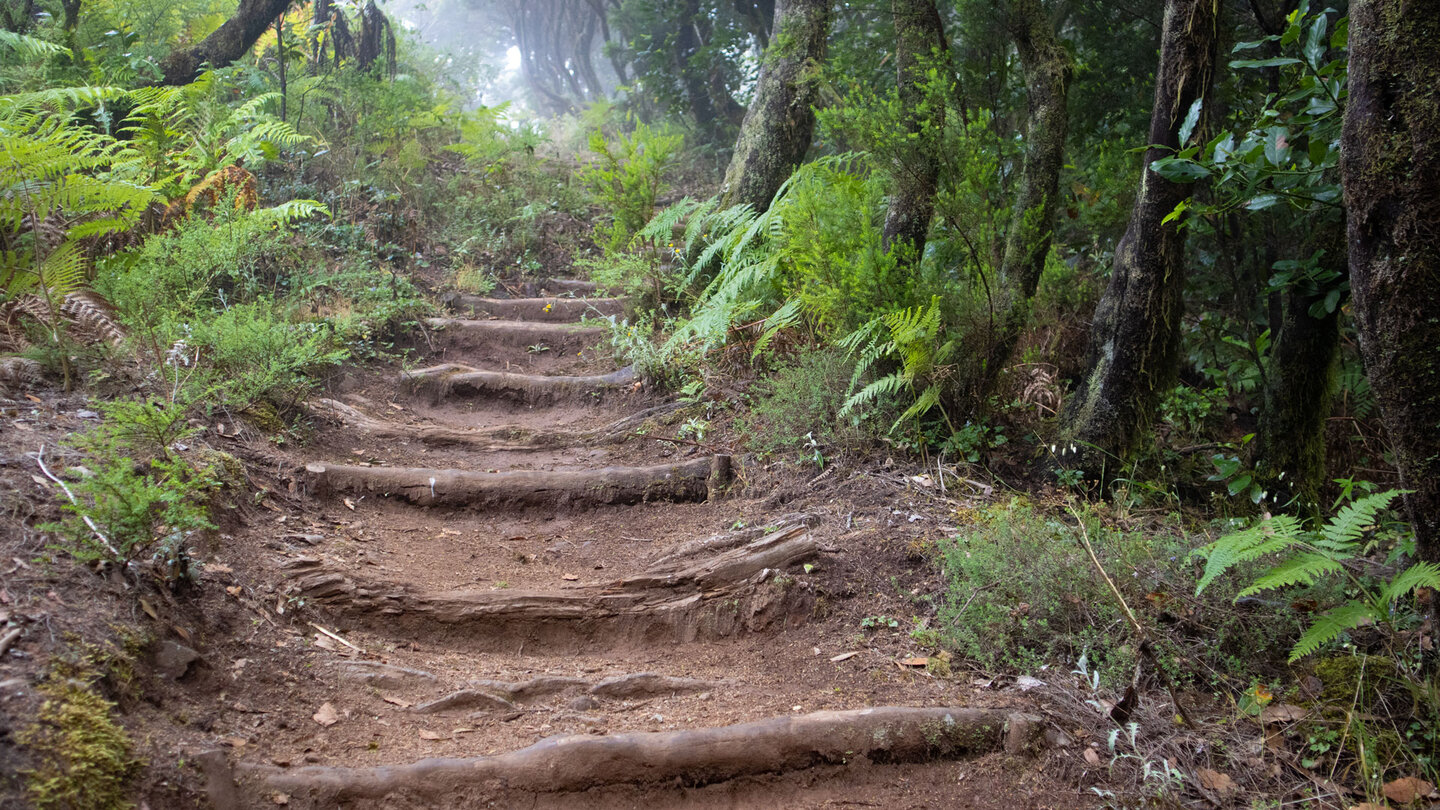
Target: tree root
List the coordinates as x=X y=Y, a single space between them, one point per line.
x=499 y=695
x=455 y=380
x=551 y=310
x=487 y=440
x=694 y=480
x=555 y=336
x=712 y=598
x=888 y=734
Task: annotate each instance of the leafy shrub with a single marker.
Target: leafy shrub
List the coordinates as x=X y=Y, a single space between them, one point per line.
x=1022 y=593
x=137 y=490
x=252 y=355
x=628 y=176
x=795 y=406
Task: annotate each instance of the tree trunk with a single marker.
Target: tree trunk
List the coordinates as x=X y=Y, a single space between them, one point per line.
x=919 y=43
x=775 y=134
x=692 y=77
x=232 y=40
x=71 y=10
x=1290 y=439
x=1047 y=69
x=1134 y=338
x=1390 y=168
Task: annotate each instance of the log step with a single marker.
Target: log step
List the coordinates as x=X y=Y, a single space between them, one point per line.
x=692 y=480
x=456 y=380
x=556 y=336
x=688 y=758
x=551 y=310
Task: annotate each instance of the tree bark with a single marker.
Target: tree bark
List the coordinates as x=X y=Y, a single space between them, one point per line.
x=1390 y=169
x=687 y=44
x=1047 y=69
x=919 y=44
x=1134 y=338
x=232 y=40
x=775 y=134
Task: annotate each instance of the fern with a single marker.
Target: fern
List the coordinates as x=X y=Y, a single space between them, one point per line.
x=30 y=48
x=1316 y=555
x=911 y=336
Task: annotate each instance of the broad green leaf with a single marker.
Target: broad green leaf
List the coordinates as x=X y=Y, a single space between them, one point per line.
x=1179 y=170
x=1187 y=127
x=1274 y=61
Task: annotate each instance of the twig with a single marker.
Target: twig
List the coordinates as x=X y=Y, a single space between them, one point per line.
x=40 y=460
x=1147 y=651
x=8 y=640
x=336 y=637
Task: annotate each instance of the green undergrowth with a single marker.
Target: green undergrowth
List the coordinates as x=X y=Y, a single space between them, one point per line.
x=1022 y=594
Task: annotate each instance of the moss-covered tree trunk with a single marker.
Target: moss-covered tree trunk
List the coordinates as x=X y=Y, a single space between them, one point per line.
x=776 y=131
x=1047 y=68
x=1134 y=336
x=1290 y=440
x=919 y=47
x=1390 y=168
x=232 y=40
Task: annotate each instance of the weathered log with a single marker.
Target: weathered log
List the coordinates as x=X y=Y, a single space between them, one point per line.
x=556 y=336
x=503 y=696
x=549 y=310
x=456 y=380
x=487 y=440
x=693 y=757
x=687 y=481
x=714 y=598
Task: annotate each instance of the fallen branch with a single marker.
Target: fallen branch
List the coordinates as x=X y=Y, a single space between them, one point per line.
x=8 y=640
x=336 y=636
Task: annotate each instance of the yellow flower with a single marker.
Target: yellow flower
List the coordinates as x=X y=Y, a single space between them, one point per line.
x=548 y=306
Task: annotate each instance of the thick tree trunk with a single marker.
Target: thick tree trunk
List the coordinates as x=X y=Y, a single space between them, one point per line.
x=775 y=134
x=1134 y=337
x=1390 y=168
x=919 y=44
x=1290 y=440
x=692 y=78
x=1047 y=68
x=232 y=40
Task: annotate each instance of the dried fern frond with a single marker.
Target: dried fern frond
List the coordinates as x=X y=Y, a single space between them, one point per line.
x=89 y=311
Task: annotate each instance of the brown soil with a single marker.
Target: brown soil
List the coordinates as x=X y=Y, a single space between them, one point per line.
x=348 y=638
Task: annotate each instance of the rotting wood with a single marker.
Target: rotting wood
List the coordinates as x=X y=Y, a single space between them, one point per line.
x=453 y=379
x=712 y=598
x=487 y=440
x=694 y=757
x=558 y=336
x=552 y=310
x=686 y=481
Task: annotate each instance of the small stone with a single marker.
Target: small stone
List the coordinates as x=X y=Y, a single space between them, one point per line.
x=584 y=703
x=174 y=660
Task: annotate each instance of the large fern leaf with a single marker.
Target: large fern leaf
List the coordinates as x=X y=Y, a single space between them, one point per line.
x=1330 y=625
x=1344 y=530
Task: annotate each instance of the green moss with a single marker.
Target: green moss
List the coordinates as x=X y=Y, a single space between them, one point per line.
x=84 y=757
x=1361 y=679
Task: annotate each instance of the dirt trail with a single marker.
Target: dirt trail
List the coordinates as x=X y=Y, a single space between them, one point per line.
x=522 y=598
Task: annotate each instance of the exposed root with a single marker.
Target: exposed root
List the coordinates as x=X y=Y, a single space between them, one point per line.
x=455 y=380
x=487 y=440
x=501 y=696
x=688 y=481
x=688 y=758
x=556 y=336
x=569 y=285
x=712 y=598
x=553 y=310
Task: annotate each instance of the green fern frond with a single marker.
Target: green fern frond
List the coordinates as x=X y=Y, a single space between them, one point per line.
x=31 y=48
x=1419 y=575
x=1330 y=625
x=1239 y=547
x=1346 y=528
x=923 y=404
x=888 y=385
x=288 y=212
x=1302 y=569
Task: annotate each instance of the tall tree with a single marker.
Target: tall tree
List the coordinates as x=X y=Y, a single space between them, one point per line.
x=919 y=44
x=776 y=132
x=232 y=40
x=1047 y=69
x=1390 y=169
x=1135 y=334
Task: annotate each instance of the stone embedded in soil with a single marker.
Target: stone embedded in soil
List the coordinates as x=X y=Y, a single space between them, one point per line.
x=173 y=660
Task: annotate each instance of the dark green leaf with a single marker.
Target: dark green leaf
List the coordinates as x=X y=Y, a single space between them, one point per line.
x=1179 y=170
x=1274 y=61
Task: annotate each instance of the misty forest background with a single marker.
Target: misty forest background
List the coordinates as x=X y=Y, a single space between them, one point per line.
x=1165 y=270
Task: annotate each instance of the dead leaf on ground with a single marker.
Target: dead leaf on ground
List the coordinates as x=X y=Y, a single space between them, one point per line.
x=1092 y=756
x=326 y=715
x=1215 y=781
x=149 y=609
x=427 y=734
x=398 y=701
x=1409 y=789
x=915 y=662
x=569 y=577
x=1283 y=713
x=350 y=504
x=233 y=590
x=845 y=656
x=1025 y=683
x=281 y=798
